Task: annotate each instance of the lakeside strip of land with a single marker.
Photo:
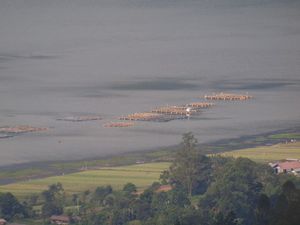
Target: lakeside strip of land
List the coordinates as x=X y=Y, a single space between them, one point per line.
x=142 y=175
x=265 y=154
x=36 y=170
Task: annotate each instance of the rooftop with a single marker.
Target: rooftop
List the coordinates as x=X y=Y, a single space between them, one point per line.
x=288 y=165
x=60 y=218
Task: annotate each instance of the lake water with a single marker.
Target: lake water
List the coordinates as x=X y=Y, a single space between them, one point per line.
x=113 y=57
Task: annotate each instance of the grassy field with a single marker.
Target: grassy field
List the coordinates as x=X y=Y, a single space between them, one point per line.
x=286 y=135
x=142 y=175
x=268 y=153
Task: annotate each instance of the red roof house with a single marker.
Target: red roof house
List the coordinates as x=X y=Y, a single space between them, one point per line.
x=288 y=166
x=164 y=188
x=3 y=221
x=60 y=220
x=63 y=220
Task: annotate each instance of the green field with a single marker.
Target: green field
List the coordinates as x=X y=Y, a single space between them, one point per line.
x=268 y=153
x=285 y=136
x=142 y=175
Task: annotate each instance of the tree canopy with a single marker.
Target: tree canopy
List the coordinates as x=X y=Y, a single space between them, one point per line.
x=190 y=170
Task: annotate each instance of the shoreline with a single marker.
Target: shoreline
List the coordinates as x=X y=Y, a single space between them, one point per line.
x=36 y=170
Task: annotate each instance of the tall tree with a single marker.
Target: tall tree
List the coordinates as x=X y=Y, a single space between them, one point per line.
x=54 y=199
x=190 y=169
x=10 y=206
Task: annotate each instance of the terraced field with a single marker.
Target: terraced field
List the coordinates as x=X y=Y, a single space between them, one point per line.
x=142 y=175
x=268 y=153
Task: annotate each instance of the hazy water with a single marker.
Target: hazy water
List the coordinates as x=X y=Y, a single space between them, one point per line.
x=113 y=57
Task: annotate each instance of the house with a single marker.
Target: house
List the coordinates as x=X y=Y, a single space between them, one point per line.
x=60 y=220
x=63 y=220
x=288 y=166
x=3 y=221
x=164 y=188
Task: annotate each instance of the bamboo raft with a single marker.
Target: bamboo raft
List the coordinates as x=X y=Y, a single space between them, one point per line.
x=228 y=97
x=168 y=113
x=21 y=129
x=140 y=116
x=200 y=105
x=150 y=116
x=171 y=110
x=118 y=124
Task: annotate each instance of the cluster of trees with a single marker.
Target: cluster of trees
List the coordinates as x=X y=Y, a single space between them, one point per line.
x=54 y=200
x=11 y=208
x=205 y=191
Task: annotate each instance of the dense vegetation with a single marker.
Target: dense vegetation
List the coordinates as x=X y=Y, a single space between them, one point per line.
x=205 y=191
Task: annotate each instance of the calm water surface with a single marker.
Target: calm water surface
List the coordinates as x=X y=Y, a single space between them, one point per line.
x=113 y=57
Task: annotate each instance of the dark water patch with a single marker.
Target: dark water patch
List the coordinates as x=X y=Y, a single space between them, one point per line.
x=81 y=90
x=4 y=59
x=100 y=94
x=8 y=57
x=194 y=83
x=204 y=4
x=258 y=84
x=41 y=57
x=4 y=78
x=160 y=84
x=12 y=78
x=157 y=131
x=206 y=118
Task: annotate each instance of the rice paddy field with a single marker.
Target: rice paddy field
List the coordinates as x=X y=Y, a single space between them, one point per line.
x=268 y=153
x=142 y=175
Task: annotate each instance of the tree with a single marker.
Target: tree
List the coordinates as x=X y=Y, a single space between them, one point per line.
x=75 y=199
x=147 y=195
x=51 y=208
x=160 y=201
x=177 y=197
x=262 y=212
x=129 y=188
x=100 y=194
x=10 y=206
x=54 y=199
x=96 y=219
x=236 y=189
x=190 y=169
x=228 y=219
x=32 y=200
x=287 y=207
